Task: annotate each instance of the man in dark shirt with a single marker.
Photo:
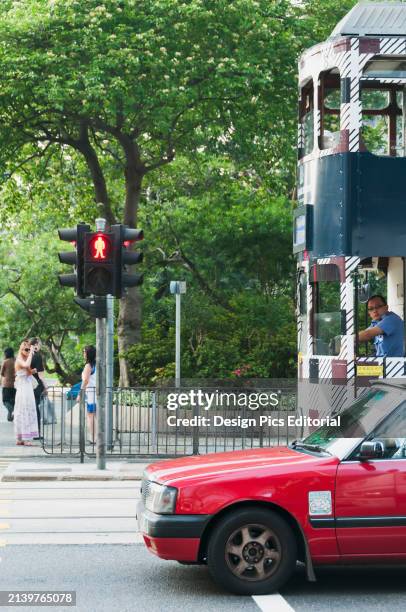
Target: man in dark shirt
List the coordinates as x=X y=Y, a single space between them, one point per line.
x=7 y=382
x=38 y=365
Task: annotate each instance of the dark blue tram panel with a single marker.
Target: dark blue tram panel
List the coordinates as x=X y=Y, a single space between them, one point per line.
x=350 y=223
x=359 y=205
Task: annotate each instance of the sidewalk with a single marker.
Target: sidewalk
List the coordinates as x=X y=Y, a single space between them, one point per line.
x=31 y=463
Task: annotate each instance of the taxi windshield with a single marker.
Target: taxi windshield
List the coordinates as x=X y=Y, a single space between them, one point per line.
x=357 y=421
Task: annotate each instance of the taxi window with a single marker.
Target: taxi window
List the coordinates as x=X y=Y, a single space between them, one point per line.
x=394 y=426
x=360 y=419
x=391 y=433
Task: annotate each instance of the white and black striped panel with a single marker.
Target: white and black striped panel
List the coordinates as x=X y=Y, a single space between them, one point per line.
x=343 y=354
x=350 y=369
x=355 y=103
x=325 y=367
x=323 y=260
x=343 y=305
x=351 y=264
x=392 y=46
x=388 y=81
x=347 y=302
x=299 y=329
x=317 y=124
x=300 y=136
x=309 y=292
x=372 y=360
x=345 y=116
x=339 y=398
x=343 y=63
x=394 y=367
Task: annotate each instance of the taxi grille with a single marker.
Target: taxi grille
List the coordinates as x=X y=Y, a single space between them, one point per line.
x=145 y=491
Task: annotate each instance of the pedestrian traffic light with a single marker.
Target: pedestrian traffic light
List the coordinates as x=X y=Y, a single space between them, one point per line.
x=99 y=263
x=124 y=237
x=76 y=236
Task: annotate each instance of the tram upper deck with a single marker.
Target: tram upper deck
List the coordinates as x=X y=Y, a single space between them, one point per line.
x=350 y=223
x=352 y=137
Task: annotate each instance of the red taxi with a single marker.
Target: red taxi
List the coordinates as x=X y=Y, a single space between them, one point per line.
x=335 y=497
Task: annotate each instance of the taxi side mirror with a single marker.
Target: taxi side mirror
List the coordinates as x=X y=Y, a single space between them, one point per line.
x=372 y=449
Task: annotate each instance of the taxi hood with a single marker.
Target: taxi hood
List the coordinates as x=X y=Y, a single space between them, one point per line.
x=239 y=463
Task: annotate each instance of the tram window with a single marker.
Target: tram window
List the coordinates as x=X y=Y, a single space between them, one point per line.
x=374 y=99
x=306 y=118
x=384 y=106
x=377 y=285
x=302 y=292
x=327 y=317
x=332 y=99
x=386 y=68
x=375 y=134
x=329 y=104
x=308 y=132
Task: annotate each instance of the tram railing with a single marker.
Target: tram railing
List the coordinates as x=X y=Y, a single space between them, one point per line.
x=143 y=422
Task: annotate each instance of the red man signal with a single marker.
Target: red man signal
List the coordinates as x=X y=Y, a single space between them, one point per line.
x=100 y=247
x=99 y=273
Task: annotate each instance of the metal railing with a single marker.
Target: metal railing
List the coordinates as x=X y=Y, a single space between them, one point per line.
x=140 y=423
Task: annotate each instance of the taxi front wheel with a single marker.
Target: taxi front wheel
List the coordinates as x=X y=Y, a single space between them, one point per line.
x=252 y=551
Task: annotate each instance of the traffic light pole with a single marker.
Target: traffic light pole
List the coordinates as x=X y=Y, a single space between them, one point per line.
x=177 y=288
x=177 y=340
x=101 y=393
x=109 y=370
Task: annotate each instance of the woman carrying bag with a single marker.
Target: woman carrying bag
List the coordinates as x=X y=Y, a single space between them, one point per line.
x=25 y=413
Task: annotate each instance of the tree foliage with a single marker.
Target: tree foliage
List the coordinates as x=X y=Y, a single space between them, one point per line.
x=179 y=115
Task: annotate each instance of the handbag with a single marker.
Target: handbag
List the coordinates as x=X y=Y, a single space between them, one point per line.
x=34 y=382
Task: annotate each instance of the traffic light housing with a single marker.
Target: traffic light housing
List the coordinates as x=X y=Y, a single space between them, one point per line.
x=76 y=236
x=95 y=306
x=124 y=237
x=99 y=263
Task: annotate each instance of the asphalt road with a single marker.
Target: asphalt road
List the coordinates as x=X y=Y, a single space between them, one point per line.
x=82 y=536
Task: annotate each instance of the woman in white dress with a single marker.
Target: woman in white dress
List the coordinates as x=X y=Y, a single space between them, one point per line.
x=25 y=414
x=89 y=384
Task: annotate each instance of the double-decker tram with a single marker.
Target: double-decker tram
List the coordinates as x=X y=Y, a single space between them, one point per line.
x=350 y=222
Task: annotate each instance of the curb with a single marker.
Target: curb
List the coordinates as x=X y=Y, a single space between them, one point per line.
x=68 y=477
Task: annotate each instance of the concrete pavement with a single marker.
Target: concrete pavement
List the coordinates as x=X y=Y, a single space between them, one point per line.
x=69 y=513
x=31 y=463
x=64 y=470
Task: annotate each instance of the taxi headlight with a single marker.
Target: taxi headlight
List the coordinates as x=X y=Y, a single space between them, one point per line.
x=160 y=498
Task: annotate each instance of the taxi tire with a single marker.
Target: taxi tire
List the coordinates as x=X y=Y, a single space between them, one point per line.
x=218 y=567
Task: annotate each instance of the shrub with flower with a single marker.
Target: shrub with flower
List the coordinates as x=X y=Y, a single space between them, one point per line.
x=242 y=371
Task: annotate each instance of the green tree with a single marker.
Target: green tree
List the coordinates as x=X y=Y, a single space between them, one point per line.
x=130 y=85
x=32 y=304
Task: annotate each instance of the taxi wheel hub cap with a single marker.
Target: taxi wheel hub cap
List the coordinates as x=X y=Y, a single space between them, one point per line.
x=253 y=552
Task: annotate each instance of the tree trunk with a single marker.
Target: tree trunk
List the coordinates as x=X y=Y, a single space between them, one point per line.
x=129 y=332
x=130 y=313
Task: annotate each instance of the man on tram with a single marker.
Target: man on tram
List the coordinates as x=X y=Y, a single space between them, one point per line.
x=386 y=329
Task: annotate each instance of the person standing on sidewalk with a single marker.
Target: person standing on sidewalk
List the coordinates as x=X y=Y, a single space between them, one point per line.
x=25 y=415
x=89 y=384
x=38 y=365
x=7 y=382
